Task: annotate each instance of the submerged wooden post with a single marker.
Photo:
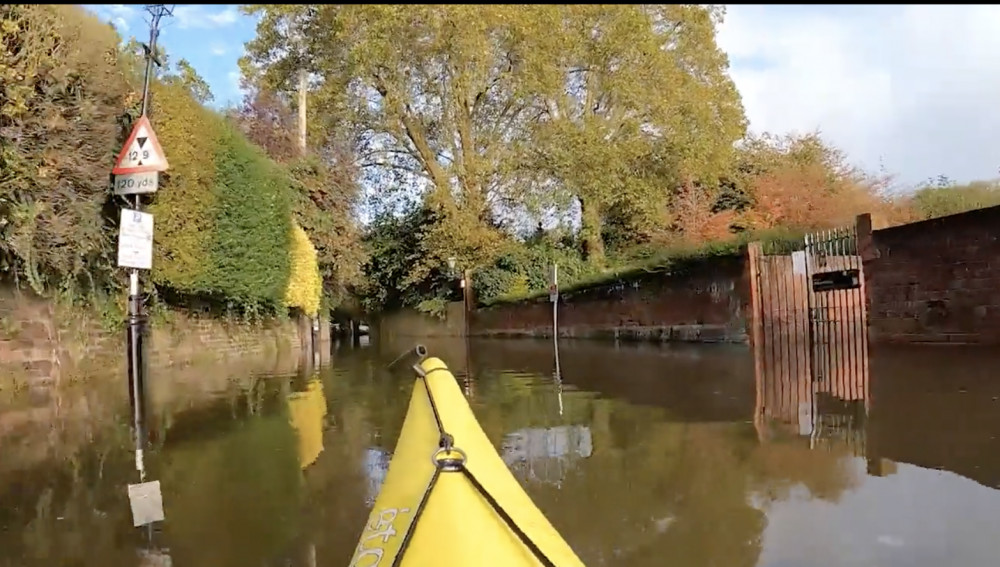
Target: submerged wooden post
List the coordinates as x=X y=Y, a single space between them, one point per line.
x=756 y=327
x=467 y=300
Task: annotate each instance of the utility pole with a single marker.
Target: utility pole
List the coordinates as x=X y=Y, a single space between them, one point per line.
x=311 y=321
x=303 y=91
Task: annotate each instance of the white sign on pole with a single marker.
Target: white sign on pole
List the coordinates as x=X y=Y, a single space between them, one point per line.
x=134 y=183
x=135 y=240
x=799 y=262
x=146 y=502
x=554 y=283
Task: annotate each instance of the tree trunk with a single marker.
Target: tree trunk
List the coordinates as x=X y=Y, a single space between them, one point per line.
x=590 y=233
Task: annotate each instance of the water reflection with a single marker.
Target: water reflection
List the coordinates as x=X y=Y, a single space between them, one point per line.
x=546 y=454
x=376 y=466
x=306 y=409
x=641 y=455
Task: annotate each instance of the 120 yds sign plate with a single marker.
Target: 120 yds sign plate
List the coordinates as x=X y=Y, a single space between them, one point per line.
x=135 y=183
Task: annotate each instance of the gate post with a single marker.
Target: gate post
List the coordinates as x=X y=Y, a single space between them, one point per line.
x=756 y=323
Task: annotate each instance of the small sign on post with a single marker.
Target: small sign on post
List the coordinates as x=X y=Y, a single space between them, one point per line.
x=135 y=240
x=142 y=152
x=146 y=502
x=136 y=183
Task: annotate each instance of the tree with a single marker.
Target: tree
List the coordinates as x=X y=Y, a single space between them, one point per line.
x=268 y=122
x=326 y=182
x=494 y=106
x=429 y=93
x=800 y=181
x=640 y=109
x=186 y=75
x=941 y=196
x=61 y=95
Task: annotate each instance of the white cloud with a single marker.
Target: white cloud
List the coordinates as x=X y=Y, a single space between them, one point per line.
x=119 y=9
x=913 y=87
x=121 y=24
x=197 y=16
x=218 y=49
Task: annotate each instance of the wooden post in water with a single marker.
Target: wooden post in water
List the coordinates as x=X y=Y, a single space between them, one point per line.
x=467 y=299
x=756 y=326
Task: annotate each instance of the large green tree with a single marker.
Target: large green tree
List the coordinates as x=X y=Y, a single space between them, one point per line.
x=491 y=107
x=642 y=108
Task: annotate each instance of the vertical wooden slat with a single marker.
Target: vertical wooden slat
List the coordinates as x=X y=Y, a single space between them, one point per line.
x=774 y=351
x=756 y=323
x=861 y=320
x=861 y=343
x=853 y=318
x=865 y=370
x=835 y=343
x=780 y=336
x=768 y=327
x=856 y=315
x=783 y=355
x=802 y=354
x=831 y=317
x=848 y=322
x=794 y=340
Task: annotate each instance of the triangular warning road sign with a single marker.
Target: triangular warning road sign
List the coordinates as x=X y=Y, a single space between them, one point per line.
x=142 y=152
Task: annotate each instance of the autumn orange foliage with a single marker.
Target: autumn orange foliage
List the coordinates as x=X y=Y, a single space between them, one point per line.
x=808 y=198
x=694 y=218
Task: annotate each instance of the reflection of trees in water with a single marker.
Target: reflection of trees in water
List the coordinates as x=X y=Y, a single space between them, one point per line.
x=233 y=500
x=653 y=491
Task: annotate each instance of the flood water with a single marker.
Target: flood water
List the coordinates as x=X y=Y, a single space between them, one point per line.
x=639 y=455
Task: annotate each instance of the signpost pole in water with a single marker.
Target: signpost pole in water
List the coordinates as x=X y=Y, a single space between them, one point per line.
x=554 y=298
x=136 y=172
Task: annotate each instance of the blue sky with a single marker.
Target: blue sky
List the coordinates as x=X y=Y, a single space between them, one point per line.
x=883 y=83
x=210 y=37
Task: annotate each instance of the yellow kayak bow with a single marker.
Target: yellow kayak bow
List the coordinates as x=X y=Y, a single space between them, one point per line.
x=448 y=498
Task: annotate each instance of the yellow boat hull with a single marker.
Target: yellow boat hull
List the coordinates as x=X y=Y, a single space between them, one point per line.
x=429 y=515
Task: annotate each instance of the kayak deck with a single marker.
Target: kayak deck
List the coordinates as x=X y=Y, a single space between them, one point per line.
x=455 y=505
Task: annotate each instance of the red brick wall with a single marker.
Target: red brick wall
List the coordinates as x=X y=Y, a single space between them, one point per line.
x=936 y=281
x=42 y=342
x=705 y=301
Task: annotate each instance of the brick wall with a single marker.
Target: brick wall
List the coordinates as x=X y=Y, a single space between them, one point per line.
x=705 y=302
x=936 y=281
x=42 y=342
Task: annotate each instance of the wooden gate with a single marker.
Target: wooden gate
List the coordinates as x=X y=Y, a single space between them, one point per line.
x=837 y=314
x=809 y=325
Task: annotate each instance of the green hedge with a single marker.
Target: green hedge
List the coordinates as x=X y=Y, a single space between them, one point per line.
x=184 y=207
x=68 y=95
x=62 y=96
x=249 y=252
x=223 y=212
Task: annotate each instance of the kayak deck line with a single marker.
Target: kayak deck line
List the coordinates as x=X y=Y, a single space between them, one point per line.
x=466 y=504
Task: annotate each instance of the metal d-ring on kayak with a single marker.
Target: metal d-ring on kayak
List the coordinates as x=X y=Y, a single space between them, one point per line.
x=446 y=446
